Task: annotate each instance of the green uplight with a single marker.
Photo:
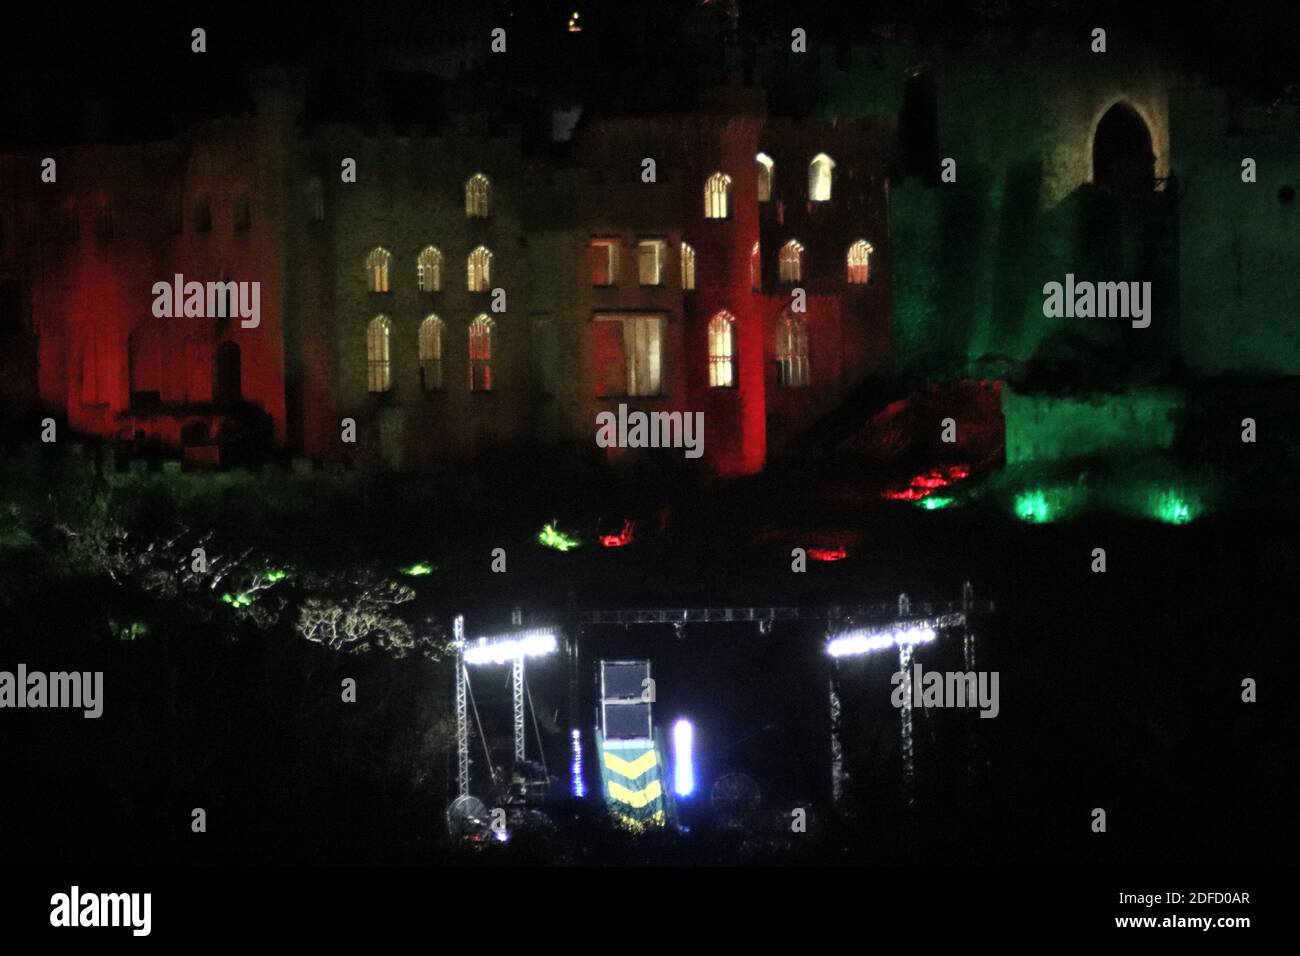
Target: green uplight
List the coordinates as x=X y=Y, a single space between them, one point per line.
x=237 y=600
x=551 y=537
x=275 y=574
x=419 y=569
x=933 y=503
x=1033 y=506
x=1172 y=508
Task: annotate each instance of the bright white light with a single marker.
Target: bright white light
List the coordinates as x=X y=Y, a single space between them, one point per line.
x=683 y=759
x=502 y=650
x=864 y=642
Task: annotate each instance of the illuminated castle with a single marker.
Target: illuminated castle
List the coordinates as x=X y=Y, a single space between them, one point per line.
x=472 y=289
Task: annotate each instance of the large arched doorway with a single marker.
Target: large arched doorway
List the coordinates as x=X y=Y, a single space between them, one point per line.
x=226 y=384
x=1122 y=155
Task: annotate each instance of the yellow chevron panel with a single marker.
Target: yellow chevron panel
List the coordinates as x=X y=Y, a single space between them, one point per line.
x=636 y=798
x=631 y=768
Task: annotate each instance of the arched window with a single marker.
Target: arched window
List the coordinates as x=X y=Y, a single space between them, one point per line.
x=765 y=169
x=480 y=354
x=791 y=262
x=722 y=350
x=688 y=267
x=819 y=178
x=428 y=270
x=377 y=269
x=1122 y=155
x=717 y=196
x=480 y=270
x=859 y=261
x=431 y=354
x=379 y=366
x=791 y=351
x=755 y=269
x=478 y=195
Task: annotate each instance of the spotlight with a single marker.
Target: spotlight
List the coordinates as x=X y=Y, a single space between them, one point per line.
x=683 y=759
x=505 y=648
x=853 y=643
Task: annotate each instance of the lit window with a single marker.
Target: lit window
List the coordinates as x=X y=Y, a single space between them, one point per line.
x=791 y=352
x=480 y=270
x=765 y=168
x=628 y=354
x=480 y=354
x=755 y=269
x=478 y=193
x=791 y=262
x=603 y=257
x=859 y=262
x=819 y=178
x=377 y=270
x=722 y=350
x=717 y=195
x=650 y=259
x=428 y=270
x=431 y=354
x=688 y=267
x=378 y=364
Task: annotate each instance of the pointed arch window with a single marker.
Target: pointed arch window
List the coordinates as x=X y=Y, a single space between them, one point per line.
x=480 y=354
x=430 y=352
x=791 y=262
x=379 y=368
x=480 y=270
x=717 y=196
x=722 y=350
x=478 y=196
x=859 y=262
x=792 y=351
x=377 y=269
x=765 y=170
x=428 y=270
x=688 y=267
x=819 y=178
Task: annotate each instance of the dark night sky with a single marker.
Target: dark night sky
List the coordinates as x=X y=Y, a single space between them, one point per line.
x=75 y=73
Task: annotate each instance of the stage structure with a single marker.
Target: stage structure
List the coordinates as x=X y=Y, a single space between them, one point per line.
x=906 y=632
x=631 y=760
x=510 y=648
x=851 y=630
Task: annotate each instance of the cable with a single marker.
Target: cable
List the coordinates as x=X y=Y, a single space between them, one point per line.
x=473 y=703
x=537 y=733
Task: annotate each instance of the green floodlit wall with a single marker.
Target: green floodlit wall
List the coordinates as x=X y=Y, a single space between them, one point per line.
x=1057 y=428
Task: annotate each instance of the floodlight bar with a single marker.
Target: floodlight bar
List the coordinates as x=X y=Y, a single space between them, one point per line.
x=504 y=648
x=854 y=643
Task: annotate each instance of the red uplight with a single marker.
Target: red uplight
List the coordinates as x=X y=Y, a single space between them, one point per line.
x=923 y=484
x=827 y=554
x=626 y=536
